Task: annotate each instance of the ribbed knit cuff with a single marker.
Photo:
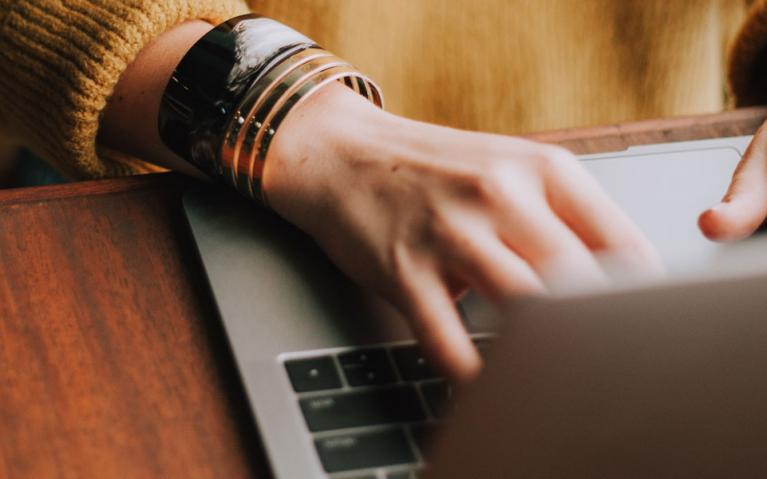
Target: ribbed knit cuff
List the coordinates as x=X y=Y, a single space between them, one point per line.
x=62 y=59
x=747 y=69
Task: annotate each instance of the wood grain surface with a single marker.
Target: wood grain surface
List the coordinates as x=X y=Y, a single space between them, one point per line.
x=113 y=362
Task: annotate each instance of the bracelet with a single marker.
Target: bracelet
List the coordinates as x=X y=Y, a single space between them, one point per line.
x=264 y=95
x=243 y=115
x=299 y=91
x=231 y=92
x=274 y=99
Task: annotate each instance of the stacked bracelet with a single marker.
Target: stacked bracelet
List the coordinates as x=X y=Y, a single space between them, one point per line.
x=231 y=92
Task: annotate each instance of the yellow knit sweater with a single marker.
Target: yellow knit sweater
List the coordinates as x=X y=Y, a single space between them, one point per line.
x=507 y=66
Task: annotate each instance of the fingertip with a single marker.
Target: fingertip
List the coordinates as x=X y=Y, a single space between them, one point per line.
x=727 y=221
x=465 y=368
x=440 y=331
x=709 y=224
x=456 y=357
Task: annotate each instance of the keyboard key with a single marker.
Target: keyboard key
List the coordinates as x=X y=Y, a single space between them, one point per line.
x=369 y=367
x=367 y=408
x=437 y=395
x=358 y=451
x=412 y=364
x=313 y=374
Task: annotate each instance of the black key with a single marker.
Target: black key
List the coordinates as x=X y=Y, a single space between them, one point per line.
x=313 y=374
x=368 y=367
x=423 y=435
x=358 y=451
x=412 y=364
x=367 y=408
x=437 y=395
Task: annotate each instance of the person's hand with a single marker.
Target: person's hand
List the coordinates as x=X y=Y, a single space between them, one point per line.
x=419 y=213
x=744 y=206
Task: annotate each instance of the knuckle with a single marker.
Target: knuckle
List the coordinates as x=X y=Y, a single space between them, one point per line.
x=556 y=157
x=490 y=183
x=489 y=186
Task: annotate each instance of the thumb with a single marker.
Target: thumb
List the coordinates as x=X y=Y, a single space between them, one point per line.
x=744 y=206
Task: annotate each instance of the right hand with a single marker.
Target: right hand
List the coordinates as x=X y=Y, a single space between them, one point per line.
x=419 y=213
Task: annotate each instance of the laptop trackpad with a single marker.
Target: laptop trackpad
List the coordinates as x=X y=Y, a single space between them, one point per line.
x=665 y=192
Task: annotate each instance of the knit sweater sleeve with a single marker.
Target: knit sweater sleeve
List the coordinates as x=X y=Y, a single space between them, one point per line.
x=61 y=59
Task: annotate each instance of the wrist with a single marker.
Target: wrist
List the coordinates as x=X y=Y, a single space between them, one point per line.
x=334 y=130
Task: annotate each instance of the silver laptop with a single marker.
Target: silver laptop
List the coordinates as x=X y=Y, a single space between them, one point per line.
x=339 y=389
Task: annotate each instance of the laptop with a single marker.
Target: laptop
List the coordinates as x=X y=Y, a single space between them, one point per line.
x=339 y=389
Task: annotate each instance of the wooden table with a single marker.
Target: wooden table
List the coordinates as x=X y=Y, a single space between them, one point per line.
x=112 y=360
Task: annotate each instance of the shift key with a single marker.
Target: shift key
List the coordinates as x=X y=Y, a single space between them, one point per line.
x=365 y=408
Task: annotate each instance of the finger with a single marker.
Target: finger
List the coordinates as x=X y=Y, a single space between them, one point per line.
x=495 y=271
x=556 y=254
x=586 y=208
x=438 y=326
x=744 y=206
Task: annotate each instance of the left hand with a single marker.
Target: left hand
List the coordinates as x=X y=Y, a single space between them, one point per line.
x=744 y=207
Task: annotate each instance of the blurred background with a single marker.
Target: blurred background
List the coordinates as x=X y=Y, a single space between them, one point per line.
x=570 y=63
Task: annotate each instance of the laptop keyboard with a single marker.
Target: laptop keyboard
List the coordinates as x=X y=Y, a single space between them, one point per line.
x=371 y=410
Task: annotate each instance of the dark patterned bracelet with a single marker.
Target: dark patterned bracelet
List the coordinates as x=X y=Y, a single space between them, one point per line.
x=207 y=85
x=230 y=93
